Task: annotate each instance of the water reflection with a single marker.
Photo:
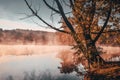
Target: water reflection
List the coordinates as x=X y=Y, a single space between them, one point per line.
x=19 y=61
x=69 y=63
x=42 y=59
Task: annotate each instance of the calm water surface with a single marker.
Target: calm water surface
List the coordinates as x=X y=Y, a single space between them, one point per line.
x=16 y=60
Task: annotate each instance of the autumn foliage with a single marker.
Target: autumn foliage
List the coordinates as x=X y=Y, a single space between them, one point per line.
x=91 y=22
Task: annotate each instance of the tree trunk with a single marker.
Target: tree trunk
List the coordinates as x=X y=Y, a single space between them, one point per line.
x=109 y=73
x=91 y=76
x=93 y=56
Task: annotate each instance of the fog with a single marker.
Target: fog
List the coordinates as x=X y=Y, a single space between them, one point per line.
x=110 y=52
x=17 y=59
x=43 y=49
x=29 y=49
x=19 y=50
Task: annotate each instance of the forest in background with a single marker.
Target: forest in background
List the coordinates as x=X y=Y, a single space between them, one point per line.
x=19 y=36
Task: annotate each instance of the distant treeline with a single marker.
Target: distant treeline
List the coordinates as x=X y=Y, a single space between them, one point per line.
x=19 y=36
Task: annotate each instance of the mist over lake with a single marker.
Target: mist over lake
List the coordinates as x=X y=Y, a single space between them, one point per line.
x=16 y=60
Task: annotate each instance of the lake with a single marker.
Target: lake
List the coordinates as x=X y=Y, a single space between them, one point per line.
x=18 y=60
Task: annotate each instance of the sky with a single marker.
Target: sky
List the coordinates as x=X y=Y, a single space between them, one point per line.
x=12 y=11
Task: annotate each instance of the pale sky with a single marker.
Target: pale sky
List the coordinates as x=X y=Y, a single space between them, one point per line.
x=11 y=11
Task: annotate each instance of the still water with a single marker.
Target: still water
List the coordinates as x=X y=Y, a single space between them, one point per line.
x=17 y=60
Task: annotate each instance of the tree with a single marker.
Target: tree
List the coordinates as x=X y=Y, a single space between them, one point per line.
x=92 y=19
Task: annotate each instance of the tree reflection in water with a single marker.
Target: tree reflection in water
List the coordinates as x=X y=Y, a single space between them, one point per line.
x=70 y=62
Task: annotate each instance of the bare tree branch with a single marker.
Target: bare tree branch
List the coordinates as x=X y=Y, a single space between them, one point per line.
x=105 y=24
x=71 y=3
x=92 y=15
x=93 y=11
x=35 y=9
x=64 y=1
x=27 y=16
x=64 y=17
x=39 y=24
x=52 y=12
x=43 y=19
x=51 y=7
x=65 y=13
